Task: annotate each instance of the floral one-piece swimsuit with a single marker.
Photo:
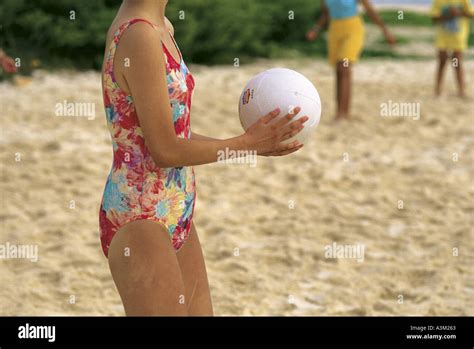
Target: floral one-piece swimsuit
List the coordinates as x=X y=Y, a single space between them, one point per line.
x=136 y=188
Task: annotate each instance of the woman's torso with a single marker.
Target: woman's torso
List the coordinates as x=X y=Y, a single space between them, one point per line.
x=136 y=187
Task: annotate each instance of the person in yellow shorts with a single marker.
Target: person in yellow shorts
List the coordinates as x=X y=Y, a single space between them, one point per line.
x=345 y=42
x=452 y=32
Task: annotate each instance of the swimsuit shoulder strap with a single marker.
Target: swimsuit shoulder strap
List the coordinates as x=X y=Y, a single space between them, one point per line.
x=128 y=24
x=124 y=26
x=115 y=41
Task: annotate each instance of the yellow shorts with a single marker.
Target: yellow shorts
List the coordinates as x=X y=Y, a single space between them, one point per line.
x=345 y=39
x=452 y=41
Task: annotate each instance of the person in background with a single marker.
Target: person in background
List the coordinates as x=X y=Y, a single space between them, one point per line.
x=345 y=42
x=7 y=63
x=452 y=20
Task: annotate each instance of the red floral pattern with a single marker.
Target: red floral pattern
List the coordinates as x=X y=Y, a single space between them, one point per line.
x=136 y=188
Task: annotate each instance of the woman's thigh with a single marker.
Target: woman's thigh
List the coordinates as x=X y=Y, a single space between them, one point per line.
x=193 y=271
x=146 y=271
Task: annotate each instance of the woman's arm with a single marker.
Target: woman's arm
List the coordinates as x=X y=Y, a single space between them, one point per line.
x=313 y=33
x=146 y=80
x=199 y=137
x=374 y=16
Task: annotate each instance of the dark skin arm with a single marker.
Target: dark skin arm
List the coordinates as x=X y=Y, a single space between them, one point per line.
x=374 y=16
x=453 y=13
x=313 y=33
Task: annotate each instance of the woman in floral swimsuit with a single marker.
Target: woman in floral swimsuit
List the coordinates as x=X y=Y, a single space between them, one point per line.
x=146 y=213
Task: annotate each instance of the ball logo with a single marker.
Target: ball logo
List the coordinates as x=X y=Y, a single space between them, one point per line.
x=246 y=96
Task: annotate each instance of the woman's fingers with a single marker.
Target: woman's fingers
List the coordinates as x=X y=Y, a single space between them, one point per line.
x=270 y=116
x=269 y=132
x=286 y=150
x=284 y=147
x=287 y=118
x=289 y=151
x=293 y=128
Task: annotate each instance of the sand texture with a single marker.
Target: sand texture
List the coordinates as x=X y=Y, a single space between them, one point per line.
x=263 y=229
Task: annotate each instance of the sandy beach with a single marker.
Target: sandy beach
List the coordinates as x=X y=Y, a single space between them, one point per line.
x=400 y=186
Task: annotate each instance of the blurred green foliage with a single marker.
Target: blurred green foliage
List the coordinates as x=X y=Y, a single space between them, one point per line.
x=44 y=30
x=208 y=31
x=394 y=18
x=217 y=31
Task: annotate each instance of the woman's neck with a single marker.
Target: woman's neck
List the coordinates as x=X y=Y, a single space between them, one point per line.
x=154 y=10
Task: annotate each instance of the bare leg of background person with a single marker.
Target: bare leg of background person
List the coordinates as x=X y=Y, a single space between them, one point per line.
x=344 y=73
x=338 y=93
x=458 y=67
x=442 y=59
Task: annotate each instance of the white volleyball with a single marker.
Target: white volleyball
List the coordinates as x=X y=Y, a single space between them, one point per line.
x=280 y=88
